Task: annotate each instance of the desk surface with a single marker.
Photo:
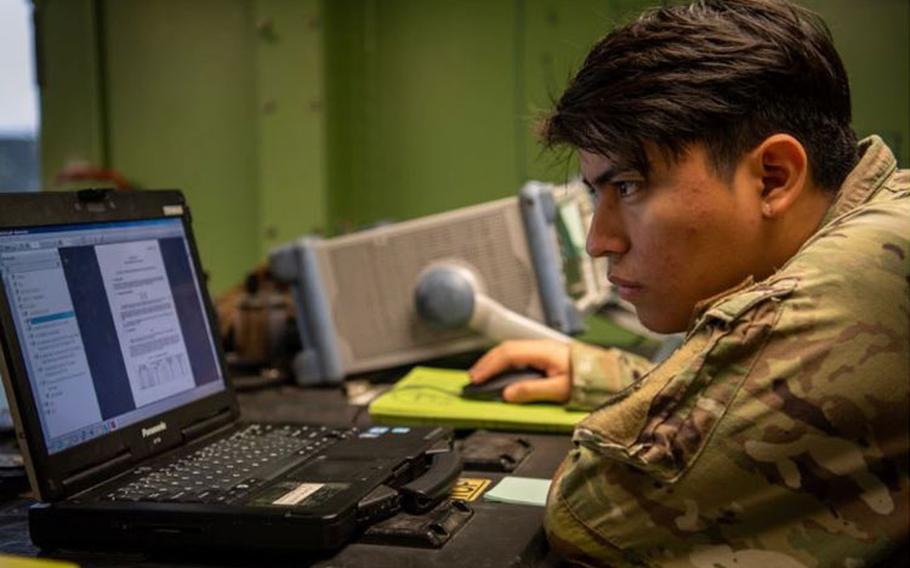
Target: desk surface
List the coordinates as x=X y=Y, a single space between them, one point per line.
x=498 y=535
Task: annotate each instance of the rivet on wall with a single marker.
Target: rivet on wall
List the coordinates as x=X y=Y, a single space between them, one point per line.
x=266 y=28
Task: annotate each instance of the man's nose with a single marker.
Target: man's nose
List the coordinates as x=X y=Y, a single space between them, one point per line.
x=607 y=235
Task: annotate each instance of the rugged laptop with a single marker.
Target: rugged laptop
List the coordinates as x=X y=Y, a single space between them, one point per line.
x=127 y=422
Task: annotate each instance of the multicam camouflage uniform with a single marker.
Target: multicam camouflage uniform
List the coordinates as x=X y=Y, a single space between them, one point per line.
x=777 y=435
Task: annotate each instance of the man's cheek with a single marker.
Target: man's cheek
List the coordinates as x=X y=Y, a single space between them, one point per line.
x=668 y=263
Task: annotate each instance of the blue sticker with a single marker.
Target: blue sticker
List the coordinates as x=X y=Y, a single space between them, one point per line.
x=400 y=430
x=368 y=435
x=379 y=430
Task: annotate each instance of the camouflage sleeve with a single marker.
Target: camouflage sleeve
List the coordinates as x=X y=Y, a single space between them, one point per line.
x=754 y=444
x=599 y=373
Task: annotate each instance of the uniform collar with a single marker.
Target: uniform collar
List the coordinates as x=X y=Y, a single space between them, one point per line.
x=876 y=163
x=702 y=306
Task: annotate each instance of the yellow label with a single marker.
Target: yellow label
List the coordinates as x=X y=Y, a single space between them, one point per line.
x=22 y=562
x=468 y=489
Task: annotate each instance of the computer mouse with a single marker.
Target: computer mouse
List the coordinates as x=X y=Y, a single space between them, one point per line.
x=492 y=388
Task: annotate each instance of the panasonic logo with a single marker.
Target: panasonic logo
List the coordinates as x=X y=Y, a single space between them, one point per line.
x=152 y=430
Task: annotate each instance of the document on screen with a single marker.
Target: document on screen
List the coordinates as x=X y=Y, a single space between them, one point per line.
x=145 y=317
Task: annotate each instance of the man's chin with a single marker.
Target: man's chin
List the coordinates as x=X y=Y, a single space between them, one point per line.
x=661 y=323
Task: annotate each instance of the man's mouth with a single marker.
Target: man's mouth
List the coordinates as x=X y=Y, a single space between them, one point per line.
x=628 y=290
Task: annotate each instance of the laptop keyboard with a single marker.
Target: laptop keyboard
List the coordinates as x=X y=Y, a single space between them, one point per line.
x=231 y=467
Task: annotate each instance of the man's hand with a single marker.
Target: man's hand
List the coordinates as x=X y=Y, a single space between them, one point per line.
x=551 y=357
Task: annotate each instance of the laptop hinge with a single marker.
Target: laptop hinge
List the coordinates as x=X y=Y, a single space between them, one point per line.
x=97 y=471
x=205 y=425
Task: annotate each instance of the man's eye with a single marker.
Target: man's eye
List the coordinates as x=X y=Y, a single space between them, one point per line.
x=626 y=188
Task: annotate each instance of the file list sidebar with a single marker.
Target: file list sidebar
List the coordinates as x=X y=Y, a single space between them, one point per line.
x=51 y=341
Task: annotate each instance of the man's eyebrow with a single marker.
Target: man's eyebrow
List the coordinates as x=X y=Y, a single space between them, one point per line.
x=607 y=175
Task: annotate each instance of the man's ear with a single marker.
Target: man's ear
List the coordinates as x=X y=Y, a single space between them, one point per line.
x=783 y=167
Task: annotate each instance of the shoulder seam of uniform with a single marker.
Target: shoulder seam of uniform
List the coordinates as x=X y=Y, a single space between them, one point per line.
x=733 y=307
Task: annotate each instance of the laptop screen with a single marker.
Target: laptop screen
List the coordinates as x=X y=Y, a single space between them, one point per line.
x=111 y=323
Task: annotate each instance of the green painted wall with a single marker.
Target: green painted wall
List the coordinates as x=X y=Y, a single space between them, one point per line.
x=431 y=105
x=873 y=38
x=181 y=112
x=281 y=117
x=290 y=120
x=220 y=98
x=429 y=120
x=69 y=79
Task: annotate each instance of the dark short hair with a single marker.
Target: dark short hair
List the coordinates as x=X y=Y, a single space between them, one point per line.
x=727 y=73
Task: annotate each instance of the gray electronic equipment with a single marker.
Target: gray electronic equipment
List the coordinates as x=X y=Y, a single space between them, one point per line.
x=522 y=258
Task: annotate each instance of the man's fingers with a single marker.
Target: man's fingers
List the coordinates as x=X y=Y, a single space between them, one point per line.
x=542 y=354
x=552 y=389
x=493 y=361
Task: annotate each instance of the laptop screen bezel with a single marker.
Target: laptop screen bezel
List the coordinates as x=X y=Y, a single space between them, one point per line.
x=99 y=458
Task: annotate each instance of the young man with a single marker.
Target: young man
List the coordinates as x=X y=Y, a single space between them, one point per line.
x=734 y=204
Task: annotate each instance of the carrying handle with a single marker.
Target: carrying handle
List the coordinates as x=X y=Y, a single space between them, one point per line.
x=424 y=492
